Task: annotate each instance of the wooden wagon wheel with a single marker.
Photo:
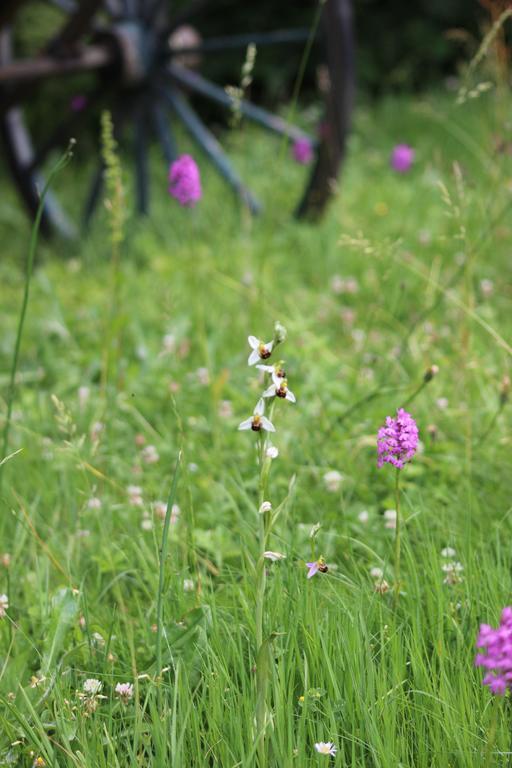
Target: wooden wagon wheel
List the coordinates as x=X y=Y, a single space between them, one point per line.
x=126 y=46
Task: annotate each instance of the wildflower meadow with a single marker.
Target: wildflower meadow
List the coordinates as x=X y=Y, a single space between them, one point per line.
x=255 y=481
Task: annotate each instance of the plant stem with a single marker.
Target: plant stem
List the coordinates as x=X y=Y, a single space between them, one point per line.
x=265 y=525
x=61 y=163
x=491 y=736
x=397 y=537
x=159 y=604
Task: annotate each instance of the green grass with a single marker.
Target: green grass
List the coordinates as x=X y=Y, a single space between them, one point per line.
x=389 y=687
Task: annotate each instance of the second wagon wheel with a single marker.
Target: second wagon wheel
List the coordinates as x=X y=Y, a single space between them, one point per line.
x=131 y=56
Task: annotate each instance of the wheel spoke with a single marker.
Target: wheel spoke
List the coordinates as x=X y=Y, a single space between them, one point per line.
x=210 y=146
x=75 y=28
x=211 y=91
x=42 y=67
x=260 y=39
x=29 y=183
x=164 y=133
x=66 y=6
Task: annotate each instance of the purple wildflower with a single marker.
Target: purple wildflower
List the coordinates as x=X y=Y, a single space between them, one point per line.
x=402 y=158
x=397 y=441
x=497 y=659
x=78 y=102
x=184 y=181
x=302 y=151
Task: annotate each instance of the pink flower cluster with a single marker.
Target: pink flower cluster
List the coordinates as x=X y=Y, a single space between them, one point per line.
x=302 y=151
x=402 y=158
x=397 y=440
x=185 y=181
x=498 y=657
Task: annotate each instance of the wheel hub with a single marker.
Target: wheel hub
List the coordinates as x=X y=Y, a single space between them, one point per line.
x=136 y=50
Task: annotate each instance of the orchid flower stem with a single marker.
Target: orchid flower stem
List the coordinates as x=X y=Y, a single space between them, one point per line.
x=265 y=526
x=397 y=537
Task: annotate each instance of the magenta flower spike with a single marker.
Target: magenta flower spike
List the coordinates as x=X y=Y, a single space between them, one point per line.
x=497 y=655
x=402 y=158
x=185 y=181
x=302 y=151
x=397 y=440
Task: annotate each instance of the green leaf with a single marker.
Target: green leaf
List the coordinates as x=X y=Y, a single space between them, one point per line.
x=64 y=609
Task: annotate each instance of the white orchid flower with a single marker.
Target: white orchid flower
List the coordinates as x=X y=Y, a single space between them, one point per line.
x=260 y=350
x=258 y=421
x=279 y=388
x=276 y=371
x=274 y=556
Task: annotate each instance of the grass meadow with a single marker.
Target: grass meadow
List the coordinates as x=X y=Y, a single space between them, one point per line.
x=406 y=272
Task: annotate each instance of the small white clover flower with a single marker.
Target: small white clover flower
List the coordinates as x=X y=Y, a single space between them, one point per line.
x=337 y=284
x=124 y=691
x=92 y=686
x=160 y=508
x=83 y=396
x=486 y=287
x=258 y=420
x=260 y=350
x=146 y=523
x=94 y=503
x=363 y=516
x=448 y=552
x=4 y=605
x=149 y=454
x=188 y=585
x=98 y=640
x=225 y=409
x=96 y=431
x=333 y=480
x=376 y=572
x=280 y=332
x=453 y=572
x=203 y=376
x=265 y=507
x=325 y=748
x=169 y=343
x=274 y=556
x=381 y=586
x=272 y=452
x=279 y=388
x=135 y=495
x=390 y=518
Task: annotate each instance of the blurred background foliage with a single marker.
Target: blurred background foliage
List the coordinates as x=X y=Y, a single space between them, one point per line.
x=401 y=45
